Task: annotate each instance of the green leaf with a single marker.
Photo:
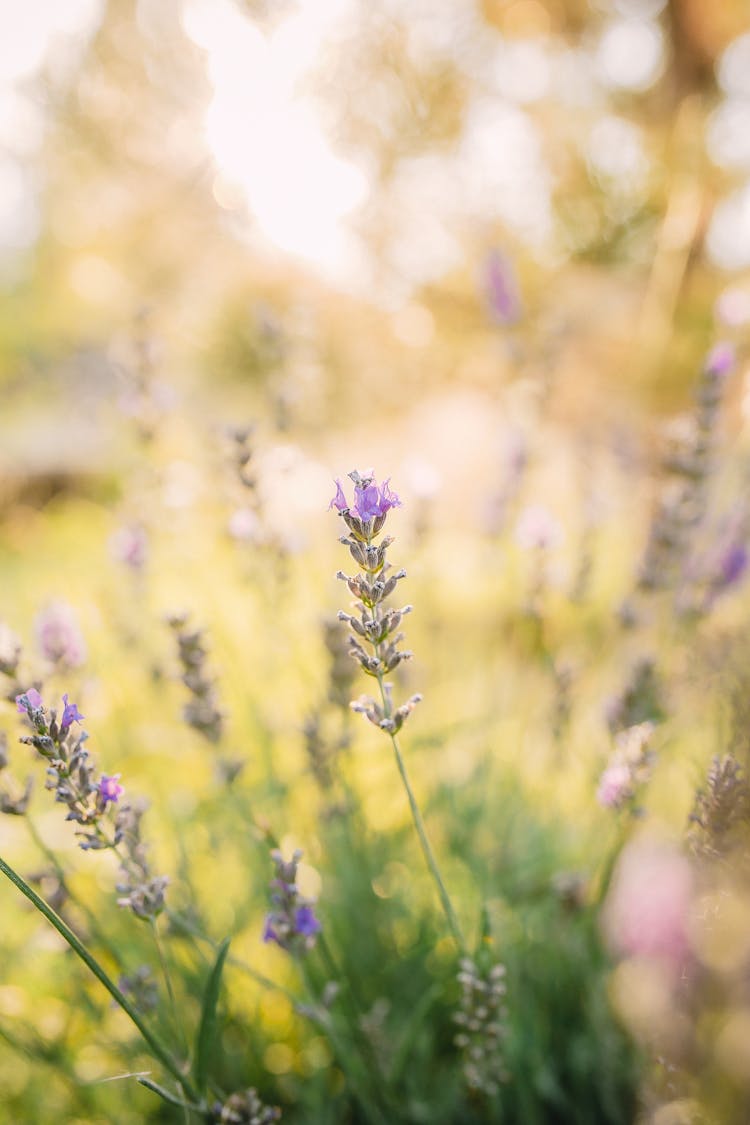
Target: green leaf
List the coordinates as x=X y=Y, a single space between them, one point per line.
x=207 y=1029
x=167 y=1095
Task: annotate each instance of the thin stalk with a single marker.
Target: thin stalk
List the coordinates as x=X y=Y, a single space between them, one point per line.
x=158 y=1050
x=87 y=912
x=359 y=1083
x=179 y=1027
x=429 y=855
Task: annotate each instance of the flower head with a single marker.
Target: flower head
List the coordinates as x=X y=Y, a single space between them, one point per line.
x=291 y=923
x=70 y=714
x=615 y=786
x=306 y=923
x=28 y=701
x=110 y=788
x=129 y=546
x=59 y=637
x=371 y=500
x=733 y=564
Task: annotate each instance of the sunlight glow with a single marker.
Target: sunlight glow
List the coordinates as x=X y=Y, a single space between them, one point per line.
x=266 y=135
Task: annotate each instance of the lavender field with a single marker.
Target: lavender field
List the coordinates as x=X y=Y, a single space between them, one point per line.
x=375 y=562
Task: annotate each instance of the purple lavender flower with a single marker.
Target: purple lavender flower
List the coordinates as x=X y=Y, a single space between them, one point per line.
x=500 y=288
x=291 y=924
x=59 y=637
x=306 y=923
x=110 y=788
x=720 y=360
x=269 y=932
x=339 y=501
x=615 y=786
x=733 y=564
x=129 y=546
x=371 y=501
x=70 y=714
x=28 y=701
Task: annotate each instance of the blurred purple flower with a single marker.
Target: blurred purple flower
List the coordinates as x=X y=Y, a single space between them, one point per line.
x=614 y=786
x=733 y=564
x=58 y=635
x=720 y=360
x=70 y=714
x=269 y=933
x=129 y=545
x=28 y=701
x=537 y=529
x=306 y=923
x=110 y=788
x=648 y=906
x=500 y=288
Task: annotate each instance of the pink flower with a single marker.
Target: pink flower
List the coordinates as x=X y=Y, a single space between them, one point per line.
x=28 y=701
x=58 y=635
x=129 y=546
x=537 y=529
x=647 y=909
x=614 y=786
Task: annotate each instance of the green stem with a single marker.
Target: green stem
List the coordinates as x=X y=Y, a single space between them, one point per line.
x=93 y=965
x=429 y=855
x=179 y=1028
x=358 y=1081
x=61 y=874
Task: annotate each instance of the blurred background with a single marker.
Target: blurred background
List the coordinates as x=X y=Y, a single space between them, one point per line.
x=484 y=245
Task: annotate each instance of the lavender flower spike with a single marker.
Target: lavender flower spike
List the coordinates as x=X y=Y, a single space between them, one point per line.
x=291 y=923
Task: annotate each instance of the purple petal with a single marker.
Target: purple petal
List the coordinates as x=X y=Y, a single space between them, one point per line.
x=367 y=502
x=339 y=501
x=28 y=701
x=70 y=714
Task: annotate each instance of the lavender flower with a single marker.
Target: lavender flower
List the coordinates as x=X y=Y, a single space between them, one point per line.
x=481 y=1022
x=629 y=767
x=365 y=517
x=109 y=788
x=374 y=642
x=244 y=1109
x=500 y=288
x=28 y=702
x=129 y=546
x=720 y=360
x=70 y=714
x=292 y=923
x=71 y=772
x=202 y=711
x=59 y=637
x=140 y=891
x=614 y=786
